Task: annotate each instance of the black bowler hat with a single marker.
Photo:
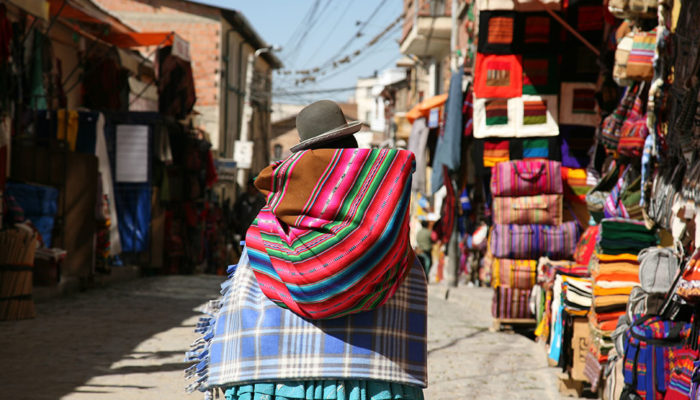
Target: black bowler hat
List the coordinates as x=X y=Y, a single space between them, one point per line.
x=322 y=121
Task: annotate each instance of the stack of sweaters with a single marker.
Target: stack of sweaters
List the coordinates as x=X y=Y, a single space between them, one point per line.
x=615 y=272
x=528 y=224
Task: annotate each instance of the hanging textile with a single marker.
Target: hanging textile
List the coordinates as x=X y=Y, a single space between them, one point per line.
x=449 y=146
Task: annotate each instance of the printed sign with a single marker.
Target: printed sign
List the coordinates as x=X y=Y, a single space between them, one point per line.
x=132 y=153
x=243 y=153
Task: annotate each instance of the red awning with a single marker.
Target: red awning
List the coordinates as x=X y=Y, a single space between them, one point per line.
x=75 y=11
x=423 y=108
x=141 y=39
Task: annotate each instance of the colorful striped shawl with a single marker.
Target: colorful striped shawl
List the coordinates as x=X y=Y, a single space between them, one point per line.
x=332 y=239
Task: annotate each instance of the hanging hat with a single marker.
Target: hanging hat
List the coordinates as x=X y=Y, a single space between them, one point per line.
x=322 y=121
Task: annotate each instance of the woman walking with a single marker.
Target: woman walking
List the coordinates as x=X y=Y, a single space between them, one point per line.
x=328 y=300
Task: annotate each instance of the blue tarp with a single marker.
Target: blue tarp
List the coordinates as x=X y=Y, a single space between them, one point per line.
x=39 y=203
x=133 y=200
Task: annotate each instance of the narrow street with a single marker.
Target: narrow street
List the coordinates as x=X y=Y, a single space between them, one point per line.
x=127 y=341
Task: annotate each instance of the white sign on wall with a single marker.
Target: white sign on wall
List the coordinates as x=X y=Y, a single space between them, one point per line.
x=243 y=153
x=132 y=153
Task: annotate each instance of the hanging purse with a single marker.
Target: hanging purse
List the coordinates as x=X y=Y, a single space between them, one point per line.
x=609 y=135
x=639 y=63
x=634 y=130
x=622 y=53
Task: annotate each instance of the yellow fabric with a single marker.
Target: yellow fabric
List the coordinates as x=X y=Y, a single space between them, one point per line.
x=600 y=291
x=67 y=128
x=72 y=129
x=492 y=161
x=604 y=301
x=675 y=13
x=617 y=257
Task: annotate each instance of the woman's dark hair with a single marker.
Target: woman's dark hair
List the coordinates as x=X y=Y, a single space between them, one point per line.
x=347 y=142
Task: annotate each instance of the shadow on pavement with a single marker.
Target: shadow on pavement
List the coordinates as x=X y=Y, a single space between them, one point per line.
x=81 y=336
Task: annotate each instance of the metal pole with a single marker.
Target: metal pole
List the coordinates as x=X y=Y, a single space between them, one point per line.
x=247 y=107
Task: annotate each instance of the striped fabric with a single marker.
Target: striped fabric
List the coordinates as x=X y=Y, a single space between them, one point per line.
x=495 y=152
x=500 y=30
x=634 y=131
x=536 y=148
x=639 y=62
x=537 y=29
x=539 y=209
x=682 y=366
x=511 y=303
x=534 y=112
x=610 y=129
x=534 y=241
x=648 y=346
x=515 y=274
x=526 y=178
x=497 y=73
x=576 y=184
x=496 y=112
x=332 y=239
x=584 y=101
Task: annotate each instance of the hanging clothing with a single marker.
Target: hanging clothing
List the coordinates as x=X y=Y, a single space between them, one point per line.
x=105 y=171
x=417 y=144
x=67 y=129
x=449 y=146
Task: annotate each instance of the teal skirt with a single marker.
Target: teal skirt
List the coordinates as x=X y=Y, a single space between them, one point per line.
x=325 y=390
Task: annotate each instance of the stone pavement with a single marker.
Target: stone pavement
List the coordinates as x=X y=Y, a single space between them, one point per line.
x=127 y=341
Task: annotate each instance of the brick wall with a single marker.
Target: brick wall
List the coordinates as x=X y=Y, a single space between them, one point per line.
x=199 y=25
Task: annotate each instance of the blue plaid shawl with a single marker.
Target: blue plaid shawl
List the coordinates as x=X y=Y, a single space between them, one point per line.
x=248 y=338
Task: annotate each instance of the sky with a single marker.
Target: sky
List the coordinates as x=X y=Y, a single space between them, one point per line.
x=314 y=33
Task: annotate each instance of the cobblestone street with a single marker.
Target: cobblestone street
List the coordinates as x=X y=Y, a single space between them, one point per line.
x=127 y=341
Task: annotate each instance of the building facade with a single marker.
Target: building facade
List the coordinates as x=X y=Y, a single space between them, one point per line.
x=221 y=44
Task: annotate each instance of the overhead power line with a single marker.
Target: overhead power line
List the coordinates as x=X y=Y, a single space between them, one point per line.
x=310 y=75
x=345 y=89
x=357 y=34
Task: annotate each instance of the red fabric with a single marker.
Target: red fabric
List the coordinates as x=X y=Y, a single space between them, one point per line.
x=498 y=76
x=586 y=245
x=443 y=227
x=212 y=176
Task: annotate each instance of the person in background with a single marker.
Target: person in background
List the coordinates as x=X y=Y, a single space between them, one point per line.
x=424 y=250
x=246 y=208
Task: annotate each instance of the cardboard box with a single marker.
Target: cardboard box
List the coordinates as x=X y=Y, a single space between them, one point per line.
x=580 y=342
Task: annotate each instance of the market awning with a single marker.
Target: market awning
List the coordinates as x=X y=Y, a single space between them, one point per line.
x=423 y=108
x=85 y=11
x=181 y=48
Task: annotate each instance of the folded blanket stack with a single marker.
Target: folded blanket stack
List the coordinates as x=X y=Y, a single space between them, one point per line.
x=615 y=271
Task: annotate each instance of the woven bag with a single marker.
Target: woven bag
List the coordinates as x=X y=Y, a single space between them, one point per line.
x=526 y=178
x=622 y=53
x=542 y=209
x=640 y=61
